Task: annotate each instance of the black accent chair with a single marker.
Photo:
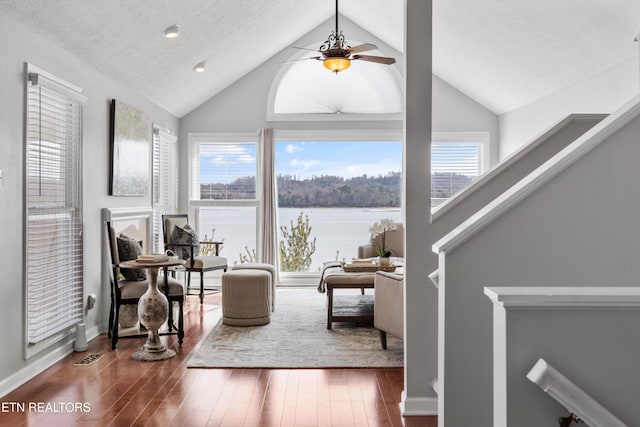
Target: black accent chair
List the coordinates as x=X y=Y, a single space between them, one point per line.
x=129 y=292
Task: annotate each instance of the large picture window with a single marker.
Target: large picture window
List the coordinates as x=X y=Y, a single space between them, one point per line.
x=53 y=206
x=332 y=186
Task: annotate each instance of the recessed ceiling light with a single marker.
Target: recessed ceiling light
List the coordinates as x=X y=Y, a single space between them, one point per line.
x=200 y=67
x=172 y=32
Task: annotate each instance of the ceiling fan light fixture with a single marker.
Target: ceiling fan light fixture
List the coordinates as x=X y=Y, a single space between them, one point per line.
x=171 y=32
x=336 y=54
x=336 y=64
x=200 y=67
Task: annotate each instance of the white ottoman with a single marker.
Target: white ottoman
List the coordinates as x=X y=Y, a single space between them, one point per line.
x=262 y=266
x=246 y=297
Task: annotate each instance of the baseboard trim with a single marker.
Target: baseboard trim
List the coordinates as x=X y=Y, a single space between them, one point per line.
x=31 y=370
x=418 y=406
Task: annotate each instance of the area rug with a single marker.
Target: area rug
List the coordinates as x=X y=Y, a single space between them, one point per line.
x=297 y=337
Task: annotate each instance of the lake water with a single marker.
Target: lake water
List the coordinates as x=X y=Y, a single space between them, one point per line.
x=338 y=231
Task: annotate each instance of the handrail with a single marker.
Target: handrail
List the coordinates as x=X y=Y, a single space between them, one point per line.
x=572 y=397
x=540 y=176
x=511 y=160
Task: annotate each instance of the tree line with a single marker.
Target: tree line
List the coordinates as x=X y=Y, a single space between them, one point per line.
x=334 y=191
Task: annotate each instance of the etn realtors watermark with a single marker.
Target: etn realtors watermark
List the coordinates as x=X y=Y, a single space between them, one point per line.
x=45 y=407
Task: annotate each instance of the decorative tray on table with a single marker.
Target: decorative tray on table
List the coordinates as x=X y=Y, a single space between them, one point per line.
x=367 y=266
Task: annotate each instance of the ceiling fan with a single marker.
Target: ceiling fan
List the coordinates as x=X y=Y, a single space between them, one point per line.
x=337 y=55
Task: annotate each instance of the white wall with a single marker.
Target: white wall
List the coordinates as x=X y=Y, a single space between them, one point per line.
x=17 y=45
x=579 y=229
x=601 y=93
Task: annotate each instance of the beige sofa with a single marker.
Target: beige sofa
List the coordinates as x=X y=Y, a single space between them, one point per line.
x=388 y=312
x=394 y=241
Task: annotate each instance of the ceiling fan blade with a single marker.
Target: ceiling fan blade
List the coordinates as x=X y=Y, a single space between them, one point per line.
x=378 y=59
x=302 y=59
x=305 y=48
x=362 y=48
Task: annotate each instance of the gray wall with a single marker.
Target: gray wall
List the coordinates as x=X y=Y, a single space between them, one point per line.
x=453 y=111
x=596 y=349
x=510 y=171
x=602 y=93
x=19 y=45
x=579 y=229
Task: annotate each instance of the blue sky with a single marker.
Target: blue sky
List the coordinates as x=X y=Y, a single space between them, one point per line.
x=224 y=162
x=346 y=159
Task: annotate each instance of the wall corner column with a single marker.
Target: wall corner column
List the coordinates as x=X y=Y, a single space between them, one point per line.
x=421 y=310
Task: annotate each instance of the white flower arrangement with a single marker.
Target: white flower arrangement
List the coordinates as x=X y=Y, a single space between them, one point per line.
x=380 y=229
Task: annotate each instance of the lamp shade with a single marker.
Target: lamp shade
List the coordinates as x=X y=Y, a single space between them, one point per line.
x=336 y=64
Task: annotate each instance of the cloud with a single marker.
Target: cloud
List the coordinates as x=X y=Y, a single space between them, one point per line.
x=292 y=148
x=229 y=154
x=223 y=159
x=305 y=164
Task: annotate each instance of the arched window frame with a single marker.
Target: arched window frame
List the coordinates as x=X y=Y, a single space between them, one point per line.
x=272 y=116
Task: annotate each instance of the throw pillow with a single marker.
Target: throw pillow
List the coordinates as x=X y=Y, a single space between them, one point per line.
x=129 y=249
x=185 y=236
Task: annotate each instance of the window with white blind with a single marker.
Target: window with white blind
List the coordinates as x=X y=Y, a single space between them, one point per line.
x=456 y=161
x=223 y=190
x=223 y=169
x=53 y=206
x=165 y=181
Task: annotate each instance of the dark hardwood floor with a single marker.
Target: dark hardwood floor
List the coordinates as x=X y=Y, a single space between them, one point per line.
x=118 y=391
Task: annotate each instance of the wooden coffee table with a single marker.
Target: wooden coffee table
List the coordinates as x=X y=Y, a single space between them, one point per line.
x=358 y=309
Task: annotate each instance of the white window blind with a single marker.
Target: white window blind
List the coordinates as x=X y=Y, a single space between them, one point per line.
x=223 y=168
x=454 y=165
x=54 y=243
x=224 y=171
x=165 y=181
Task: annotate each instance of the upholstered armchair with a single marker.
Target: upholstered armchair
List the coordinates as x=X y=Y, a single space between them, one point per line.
x=180 y=238
x=394 y=241
x=388 y=309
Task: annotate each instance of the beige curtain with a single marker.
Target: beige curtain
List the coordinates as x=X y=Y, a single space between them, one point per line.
x=268 y=233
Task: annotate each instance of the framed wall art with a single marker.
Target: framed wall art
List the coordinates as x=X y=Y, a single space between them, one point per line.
x=130 y=135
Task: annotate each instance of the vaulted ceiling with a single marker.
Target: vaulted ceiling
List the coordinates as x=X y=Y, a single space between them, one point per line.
x=502 y=53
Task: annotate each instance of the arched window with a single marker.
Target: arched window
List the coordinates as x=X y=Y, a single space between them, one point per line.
x=305 y=90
